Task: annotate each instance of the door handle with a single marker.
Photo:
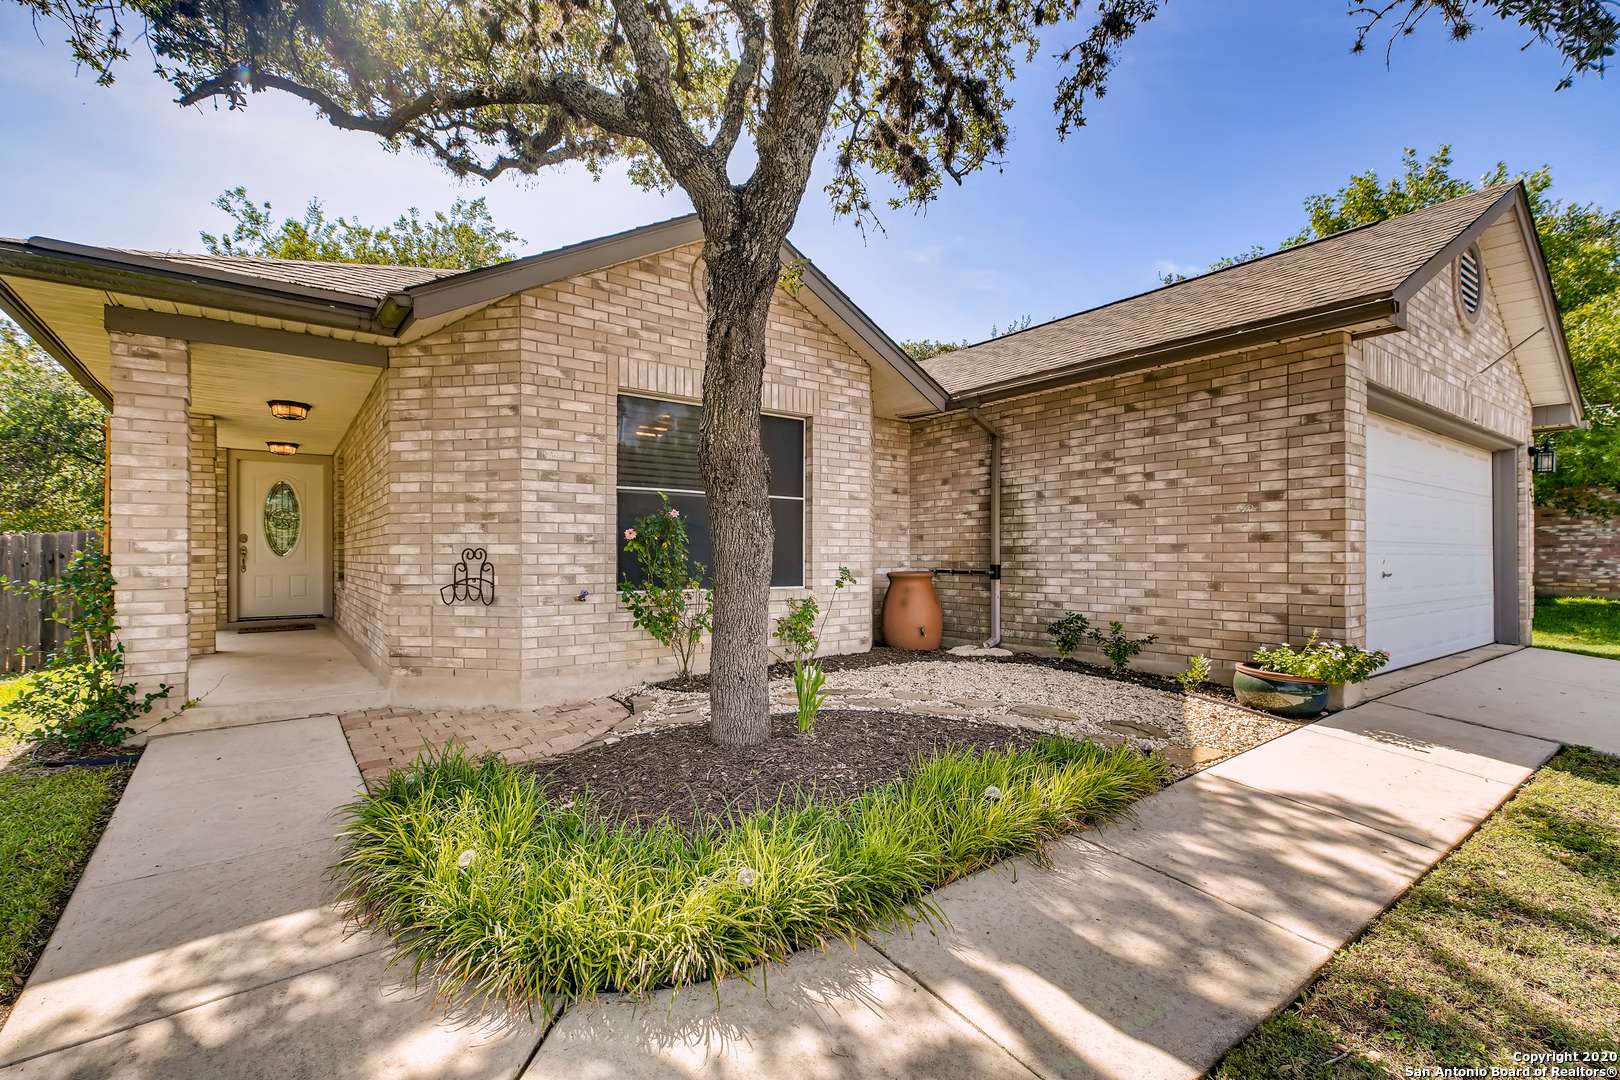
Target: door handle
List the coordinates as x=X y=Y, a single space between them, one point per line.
x=1387 y=573
x=242 y=553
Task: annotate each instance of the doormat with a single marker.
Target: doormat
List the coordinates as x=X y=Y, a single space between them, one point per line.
x=276 y=629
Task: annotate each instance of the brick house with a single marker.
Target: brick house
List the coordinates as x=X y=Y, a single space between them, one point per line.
x=1327 y=439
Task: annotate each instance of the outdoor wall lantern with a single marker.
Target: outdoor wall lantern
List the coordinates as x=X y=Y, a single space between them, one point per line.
x=285 y=449
x=1543 y=458
x=288 y=410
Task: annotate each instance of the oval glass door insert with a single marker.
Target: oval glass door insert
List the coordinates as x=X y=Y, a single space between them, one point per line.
x=281 y=518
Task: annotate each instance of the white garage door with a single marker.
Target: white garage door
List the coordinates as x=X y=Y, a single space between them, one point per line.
x=1429 y=579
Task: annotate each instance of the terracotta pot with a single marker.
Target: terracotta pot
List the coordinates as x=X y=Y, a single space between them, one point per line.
x=912 y=618
x=1293 y=696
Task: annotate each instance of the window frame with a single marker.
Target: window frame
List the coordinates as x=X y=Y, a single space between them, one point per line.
x=803 y=498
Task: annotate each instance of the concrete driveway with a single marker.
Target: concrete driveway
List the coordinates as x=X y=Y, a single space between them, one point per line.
x=1562 y=696
x=200 y=943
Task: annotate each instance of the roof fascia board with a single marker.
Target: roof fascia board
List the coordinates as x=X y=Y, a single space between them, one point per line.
x=1549 y=302
x=23 y=316
x=1457 y=245
x=1555 y=418
x=249 y=281
x=257 y=338
x=845 y=310
x=478 y=287
x=1338 y=317
x=95 y=268
x=1517 y=200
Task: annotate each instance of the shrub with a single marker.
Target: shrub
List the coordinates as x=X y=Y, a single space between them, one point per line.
x=1070 y=632
x=1196 y=675
x=1119 y=647
x=801 y=637
x=491 y=887
x=1329 y=661
x=80 y=698
x=670 y=602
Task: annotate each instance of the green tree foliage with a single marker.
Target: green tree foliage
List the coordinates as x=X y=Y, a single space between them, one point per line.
x=51 y=443
x=463 y=237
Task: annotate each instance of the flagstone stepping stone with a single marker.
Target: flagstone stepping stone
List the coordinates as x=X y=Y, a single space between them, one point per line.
x=1190 y=757
x=1045 y=712
x=1135 y=727
x=978 y=650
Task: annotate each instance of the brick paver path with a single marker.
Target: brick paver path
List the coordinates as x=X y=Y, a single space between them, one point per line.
x=391 y=737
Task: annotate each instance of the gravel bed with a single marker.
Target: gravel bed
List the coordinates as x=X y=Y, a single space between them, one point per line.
x=1192 y=732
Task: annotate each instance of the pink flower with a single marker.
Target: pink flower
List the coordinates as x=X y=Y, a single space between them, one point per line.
x=629 y=534
x=674 y=513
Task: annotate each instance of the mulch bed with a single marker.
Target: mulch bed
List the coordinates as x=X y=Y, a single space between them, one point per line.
x=882 y=655
x=56 y=755
x=680 y=774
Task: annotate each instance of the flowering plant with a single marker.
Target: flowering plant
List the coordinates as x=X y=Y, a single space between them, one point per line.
x=669 y=602
x=1329 y=661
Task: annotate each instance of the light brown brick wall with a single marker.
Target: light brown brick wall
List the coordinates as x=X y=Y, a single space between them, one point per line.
x=1448 y=366
x=209 y=546
x=1219 y=503
x=639 y=327
x=1203 y=502
x=1578 y=554
x=501 y=431
x=362 y=534
x=891 y=506
x=149 y=534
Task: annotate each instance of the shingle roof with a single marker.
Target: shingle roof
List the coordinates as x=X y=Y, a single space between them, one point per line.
x=1359 y=263
x=357 y=279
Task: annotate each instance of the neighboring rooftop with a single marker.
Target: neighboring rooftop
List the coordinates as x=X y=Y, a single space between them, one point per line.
x=1365 y=263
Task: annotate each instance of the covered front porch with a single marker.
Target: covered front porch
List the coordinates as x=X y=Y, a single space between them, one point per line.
x=271 y=672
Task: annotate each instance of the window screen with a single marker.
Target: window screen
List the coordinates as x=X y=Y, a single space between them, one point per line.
x=658 y=452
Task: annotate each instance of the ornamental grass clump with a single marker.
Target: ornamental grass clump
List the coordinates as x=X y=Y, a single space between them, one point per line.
x=557 y=902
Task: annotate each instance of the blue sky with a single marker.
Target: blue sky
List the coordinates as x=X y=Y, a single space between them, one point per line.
x=1220 y=120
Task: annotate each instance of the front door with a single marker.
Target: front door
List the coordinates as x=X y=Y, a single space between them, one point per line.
x=279 y=551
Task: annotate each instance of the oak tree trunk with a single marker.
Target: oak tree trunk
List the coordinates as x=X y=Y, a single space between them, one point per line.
x=742 y=272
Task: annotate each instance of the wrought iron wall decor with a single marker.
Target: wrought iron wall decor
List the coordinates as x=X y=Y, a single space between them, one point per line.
x=464 y=587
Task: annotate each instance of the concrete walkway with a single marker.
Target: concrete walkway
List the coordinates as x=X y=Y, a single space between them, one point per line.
x=199 y=943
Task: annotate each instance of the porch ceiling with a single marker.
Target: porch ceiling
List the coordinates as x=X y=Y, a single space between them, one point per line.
x=233 y=385
x=228 y=382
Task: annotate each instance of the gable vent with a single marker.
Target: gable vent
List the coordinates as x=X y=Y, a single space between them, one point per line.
x=1470 y=282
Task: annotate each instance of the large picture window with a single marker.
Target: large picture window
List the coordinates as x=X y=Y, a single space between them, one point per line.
x=658 y=452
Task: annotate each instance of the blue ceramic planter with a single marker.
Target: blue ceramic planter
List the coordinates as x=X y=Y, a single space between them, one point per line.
x=1282 y=695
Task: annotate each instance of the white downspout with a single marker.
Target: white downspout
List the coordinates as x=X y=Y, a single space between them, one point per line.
x=995 y=528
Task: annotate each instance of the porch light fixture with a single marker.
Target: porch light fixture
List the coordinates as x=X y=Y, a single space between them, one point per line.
x=283 y=448
x=1543 y=458
x=288 y=410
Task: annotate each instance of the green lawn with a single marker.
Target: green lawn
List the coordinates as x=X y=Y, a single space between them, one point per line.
x=49 y=823
x=1512 y=944
x=10 y=686
x=1578 y=624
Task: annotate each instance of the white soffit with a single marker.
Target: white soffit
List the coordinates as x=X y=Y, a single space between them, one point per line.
x=1511 y=273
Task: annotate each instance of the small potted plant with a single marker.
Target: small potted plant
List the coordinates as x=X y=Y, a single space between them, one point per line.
x=1295 y=682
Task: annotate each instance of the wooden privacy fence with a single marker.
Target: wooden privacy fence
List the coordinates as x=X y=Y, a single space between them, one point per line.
x=26 y=624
